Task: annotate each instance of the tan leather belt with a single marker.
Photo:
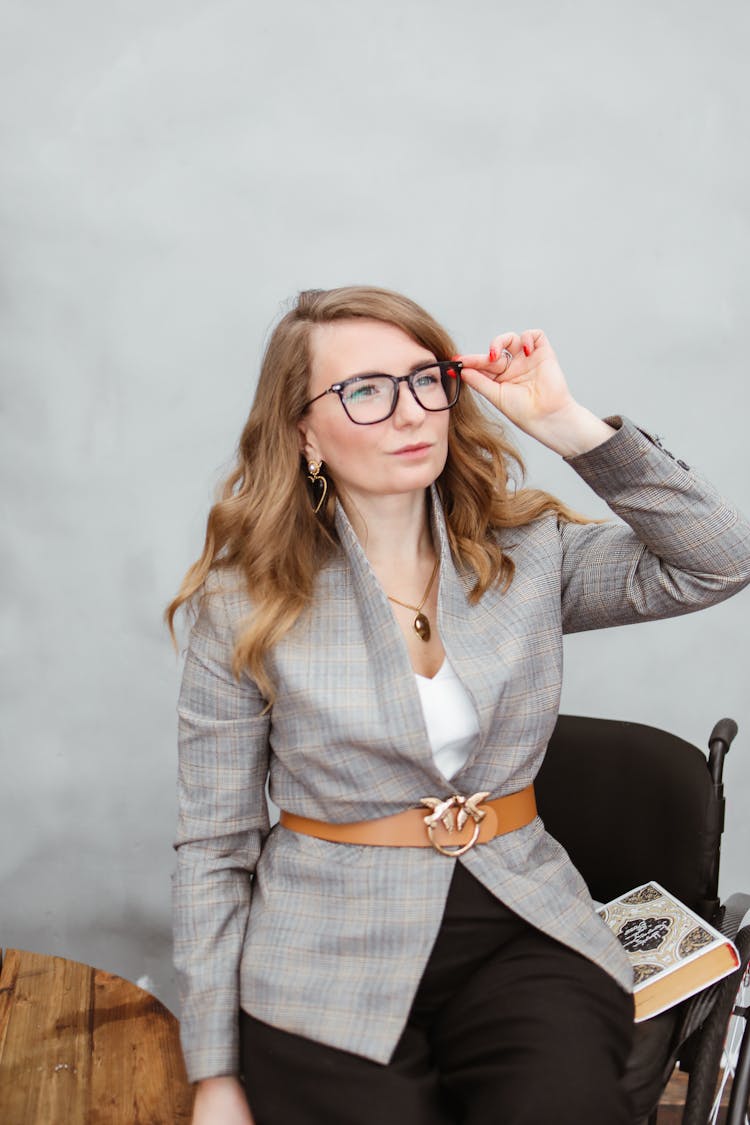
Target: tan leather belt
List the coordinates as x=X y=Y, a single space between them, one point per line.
x=453 y=826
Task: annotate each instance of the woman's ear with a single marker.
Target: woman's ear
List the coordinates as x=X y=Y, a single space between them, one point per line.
x=308 y=446
x=301 y=431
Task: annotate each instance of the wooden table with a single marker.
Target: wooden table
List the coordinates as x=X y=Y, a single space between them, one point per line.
x=79 y=1046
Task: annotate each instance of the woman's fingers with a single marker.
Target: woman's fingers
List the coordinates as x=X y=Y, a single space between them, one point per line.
x=529 y=388
x=480 y=379
x=503 y=350
x=532 y=339
x=508 y=341
x=486 y=367
x=477 y=361
x=492 y=364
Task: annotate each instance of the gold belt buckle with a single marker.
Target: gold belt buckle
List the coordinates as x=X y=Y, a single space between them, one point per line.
x=452 y=813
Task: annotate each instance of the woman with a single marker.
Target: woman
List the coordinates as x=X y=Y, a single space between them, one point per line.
x=380 y=632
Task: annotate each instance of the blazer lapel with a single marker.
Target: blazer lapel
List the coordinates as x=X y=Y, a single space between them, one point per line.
x=468 y=634
x=391 y=670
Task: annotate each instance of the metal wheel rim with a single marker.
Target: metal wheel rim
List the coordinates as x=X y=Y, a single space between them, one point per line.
x=730 y=1053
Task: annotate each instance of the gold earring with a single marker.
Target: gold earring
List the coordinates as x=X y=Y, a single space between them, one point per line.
x=316 y=479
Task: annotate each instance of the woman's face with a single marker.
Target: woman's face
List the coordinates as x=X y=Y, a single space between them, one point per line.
x=400 y=454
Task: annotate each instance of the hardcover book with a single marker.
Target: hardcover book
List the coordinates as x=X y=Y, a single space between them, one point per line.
x=673 y=951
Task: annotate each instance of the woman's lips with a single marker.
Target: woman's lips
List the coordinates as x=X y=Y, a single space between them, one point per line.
x=412 y=450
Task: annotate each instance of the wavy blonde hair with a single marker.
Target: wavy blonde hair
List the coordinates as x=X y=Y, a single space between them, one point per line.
x=263 y=524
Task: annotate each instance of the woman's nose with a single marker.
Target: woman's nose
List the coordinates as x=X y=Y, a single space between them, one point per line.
x=407 y=407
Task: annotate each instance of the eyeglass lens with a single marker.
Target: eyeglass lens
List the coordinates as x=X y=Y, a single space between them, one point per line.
x=373 y=397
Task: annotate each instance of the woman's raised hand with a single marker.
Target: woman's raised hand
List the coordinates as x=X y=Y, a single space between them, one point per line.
x=521 y=376
x=221 y=1101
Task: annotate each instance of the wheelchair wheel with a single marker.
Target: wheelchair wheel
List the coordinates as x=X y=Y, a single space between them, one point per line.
x=716 y=1046
x=719 y=1047
x=735 y=1059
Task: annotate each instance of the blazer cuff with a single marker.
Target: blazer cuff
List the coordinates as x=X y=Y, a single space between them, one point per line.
x=621 y=460
x=210 y=1032
x=210 y=1062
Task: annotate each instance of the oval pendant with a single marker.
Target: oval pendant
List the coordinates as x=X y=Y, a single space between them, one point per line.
x=422 y=627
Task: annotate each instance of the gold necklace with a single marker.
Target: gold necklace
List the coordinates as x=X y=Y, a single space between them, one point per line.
x=421 y=623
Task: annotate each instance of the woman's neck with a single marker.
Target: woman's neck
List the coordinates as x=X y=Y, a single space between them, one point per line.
x=393 y=530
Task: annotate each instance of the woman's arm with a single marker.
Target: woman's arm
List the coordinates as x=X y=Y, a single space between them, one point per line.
x=222 y=820
x=531 y=390
x=684 y=548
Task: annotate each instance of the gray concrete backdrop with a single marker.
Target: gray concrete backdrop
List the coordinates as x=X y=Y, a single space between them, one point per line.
x=171 y=172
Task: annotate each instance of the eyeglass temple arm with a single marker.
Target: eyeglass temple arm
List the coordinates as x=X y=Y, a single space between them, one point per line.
x=330 y=390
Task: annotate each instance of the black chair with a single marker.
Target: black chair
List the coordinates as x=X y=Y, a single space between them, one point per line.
x=632 y=803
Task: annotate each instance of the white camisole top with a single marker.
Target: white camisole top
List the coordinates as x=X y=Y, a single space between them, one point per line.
x=452 y=723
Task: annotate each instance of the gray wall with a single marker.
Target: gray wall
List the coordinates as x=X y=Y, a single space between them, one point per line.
x=171 y=172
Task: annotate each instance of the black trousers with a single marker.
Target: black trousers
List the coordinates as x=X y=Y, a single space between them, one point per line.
x=507 y=1026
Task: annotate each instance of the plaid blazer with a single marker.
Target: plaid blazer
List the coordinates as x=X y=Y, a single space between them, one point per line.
x=330 y=940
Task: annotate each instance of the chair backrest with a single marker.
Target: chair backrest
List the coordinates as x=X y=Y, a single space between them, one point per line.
x=632 y=803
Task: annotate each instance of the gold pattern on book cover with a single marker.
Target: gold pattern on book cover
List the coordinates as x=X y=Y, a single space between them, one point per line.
x=643 y=972
x=643 y=894
x=673 y=952
x=694 y=941
x=655 y=930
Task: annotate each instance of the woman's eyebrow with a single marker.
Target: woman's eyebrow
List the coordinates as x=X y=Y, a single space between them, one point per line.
x=414 y=367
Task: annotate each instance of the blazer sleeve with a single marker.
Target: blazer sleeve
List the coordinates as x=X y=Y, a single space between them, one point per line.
x=681 y=546
x=222 y=821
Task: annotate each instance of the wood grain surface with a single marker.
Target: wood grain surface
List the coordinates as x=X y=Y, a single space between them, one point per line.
x=79 y=1046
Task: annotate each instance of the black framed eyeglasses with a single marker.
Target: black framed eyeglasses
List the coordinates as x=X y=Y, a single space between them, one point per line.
x=372 y=398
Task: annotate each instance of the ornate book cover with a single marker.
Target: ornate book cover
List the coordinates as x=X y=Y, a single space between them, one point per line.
x=673 y=951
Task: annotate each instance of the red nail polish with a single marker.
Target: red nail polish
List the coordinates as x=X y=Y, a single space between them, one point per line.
x=452 y=372
x=493 y=354
x=526 y=349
